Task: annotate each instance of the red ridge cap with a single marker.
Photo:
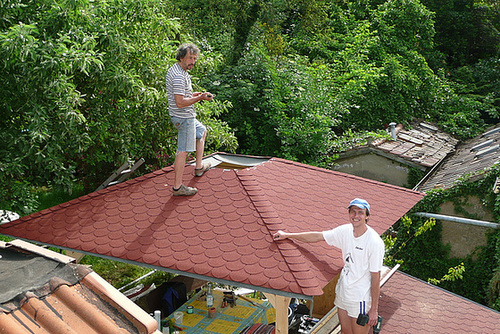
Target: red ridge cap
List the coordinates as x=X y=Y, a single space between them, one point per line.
x=309 y=285
x=92 y=315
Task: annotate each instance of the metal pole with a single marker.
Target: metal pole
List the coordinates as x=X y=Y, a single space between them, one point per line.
x=389 y=274
x=458 y=219
x=137 y=280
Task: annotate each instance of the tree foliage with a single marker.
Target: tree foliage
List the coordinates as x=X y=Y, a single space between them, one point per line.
x=83 y=91
x=82 y=87
x=376 y=58
x=467 y=30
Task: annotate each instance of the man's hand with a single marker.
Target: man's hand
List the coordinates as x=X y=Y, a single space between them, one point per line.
x=280 y=235
x=207 y=96
x=302 y=236
x=373 y=314
x=183 y=102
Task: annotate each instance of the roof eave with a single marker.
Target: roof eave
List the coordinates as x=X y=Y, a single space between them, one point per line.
x=179 y=272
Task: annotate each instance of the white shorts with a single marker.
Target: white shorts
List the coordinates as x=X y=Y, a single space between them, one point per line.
x=353 y=308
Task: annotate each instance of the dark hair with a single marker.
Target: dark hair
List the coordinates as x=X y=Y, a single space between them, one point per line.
x=366 y=210
x=184 y=48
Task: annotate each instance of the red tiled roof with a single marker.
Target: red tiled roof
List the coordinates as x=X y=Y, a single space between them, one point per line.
x=62 y=297
x=409 y=305
x=224 y=231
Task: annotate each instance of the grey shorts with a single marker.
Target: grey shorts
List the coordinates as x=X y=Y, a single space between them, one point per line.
x=188 y=130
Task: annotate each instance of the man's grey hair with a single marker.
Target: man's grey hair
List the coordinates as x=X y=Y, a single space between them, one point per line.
x=184 y=48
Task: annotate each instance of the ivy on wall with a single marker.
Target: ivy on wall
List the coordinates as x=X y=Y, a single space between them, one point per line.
x=415 y=242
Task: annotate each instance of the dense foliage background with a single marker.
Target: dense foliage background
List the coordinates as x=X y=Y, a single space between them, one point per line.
x=415 y=243
x=82 y=82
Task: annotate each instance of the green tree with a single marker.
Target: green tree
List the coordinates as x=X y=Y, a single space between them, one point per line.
x=466 y=30
x=82 y=87
x=334 y=67
x=481 y=82
x=233 y=17
x=416 y=246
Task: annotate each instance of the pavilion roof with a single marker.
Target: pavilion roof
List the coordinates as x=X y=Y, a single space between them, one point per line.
x=223 y=233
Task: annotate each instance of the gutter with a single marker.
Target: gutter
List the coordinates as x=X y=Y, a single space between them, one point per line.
x=459 y=220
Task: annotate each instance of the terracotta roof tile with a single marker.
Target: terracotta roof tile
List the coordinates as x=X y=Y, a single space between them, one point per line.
x=225 y=231
x=53 y=295
x=409 y=305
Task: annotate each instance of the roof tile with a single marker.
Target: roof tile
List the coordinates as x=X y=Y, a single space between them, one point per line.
x=465 y=161
x=423 y=145
x=409 y=305
x=65 y=298
x=224 y=231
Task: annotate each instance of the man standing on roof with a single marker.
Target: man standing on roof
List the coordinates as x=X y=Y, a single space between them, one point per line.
x=358 y=288
x=191 y=133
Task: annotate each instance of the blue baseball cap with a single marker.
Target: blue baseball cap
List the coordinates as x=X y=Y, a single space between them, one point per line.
x=360 y=203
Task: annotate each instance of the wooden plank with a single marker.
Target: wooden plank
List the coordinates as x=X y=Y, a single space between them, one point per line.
x=76 y=255
x=329 y=324
x=280 y=304
x=325 y=302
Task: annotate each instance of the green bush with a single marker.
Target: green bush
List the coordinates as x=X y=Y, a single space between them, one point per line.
x=422 y=254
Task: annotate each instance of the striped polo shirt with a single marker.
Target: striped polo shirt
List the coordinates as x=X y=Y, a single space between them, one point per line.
x=179 y=83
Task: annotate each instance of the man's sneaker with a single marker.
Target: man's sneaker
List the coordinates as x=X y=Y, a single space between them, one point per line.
x=185 y=191
x=199 y=172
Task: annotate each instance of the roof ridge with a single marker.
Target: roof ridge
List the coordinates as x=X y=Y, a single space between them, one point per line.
x=349 y=176
x=259 y=199
x=273 y=223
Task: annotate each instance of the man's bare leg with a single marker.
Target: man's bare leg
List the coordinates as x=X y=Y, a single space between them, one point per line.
x=200 y=149
x=349 y=325
x=179 y=163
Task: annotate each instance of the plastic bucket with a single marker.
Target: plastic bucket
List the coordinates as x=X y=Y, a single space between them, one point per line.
x=178 y=317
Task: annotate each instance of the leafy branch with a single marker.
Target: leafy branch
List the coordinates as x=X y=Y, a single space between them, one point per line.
x=454 y=274
x=391 y=241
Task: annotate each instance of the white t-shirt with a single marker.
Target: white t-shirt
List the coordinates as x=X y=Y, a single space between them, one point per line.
x=361 y=256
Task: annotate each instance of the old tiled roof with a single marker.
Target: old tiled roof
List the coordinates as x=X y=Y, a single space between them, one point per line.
x=409 y=305
x=41 y=292
x=223 y=233
x=472 y=157
x=423 y=145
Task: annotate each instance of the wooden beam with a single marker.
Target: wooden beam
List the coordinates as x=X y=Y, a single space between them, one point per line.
x=76 y=255
x=280 y=304
x=325 y=302
x=329 y=324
